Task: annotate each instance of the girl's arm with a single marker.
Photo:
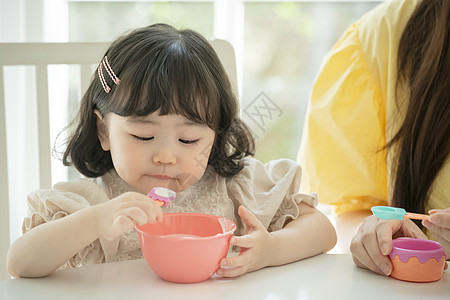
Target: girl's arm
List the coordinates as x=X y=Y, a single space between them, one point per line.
x=46 y=247
x=310 y=234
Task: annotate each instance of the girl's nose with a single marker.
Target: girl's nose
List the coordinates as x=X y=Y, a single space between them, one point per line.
x=164 y=156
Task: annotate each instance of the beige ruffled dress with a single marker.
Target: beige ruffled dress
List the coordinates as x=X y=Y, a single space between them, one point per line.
x=269 y=190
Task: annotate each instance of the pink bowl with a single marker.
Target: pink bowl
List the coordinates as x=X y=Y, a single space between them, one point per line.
x=186 y=247
x=417 y=260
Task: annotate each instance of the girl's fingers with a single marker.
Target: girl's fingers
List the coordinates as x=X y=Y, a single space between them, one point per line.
x=232 y=272
x=235 y=261
x=123 y=223
x=152 y=210
x=249 y=218
x=236 y=265
x=135 y=214
x=245 y=241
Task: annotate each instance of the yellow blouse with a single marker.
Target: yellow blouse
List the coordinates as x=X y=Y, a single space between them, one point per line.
x=353 y=112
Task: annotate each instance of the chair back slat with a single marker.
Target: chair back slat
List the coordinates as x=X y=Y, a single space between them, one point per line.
x=4 y=187
x=43 y=126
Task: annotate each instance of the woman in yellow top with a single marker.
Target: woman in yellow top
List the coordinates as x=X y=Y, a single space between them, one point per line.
x=378 y=128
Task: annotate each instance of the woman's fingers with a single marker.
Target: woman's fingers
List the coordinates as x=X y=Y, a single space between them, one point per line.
x=372 y=267
x=440 y=218
x=440 y=233
x=374 y=238
x=439 y=226
x=373 y=242
x=384 y=232
x=362 y=250
x=433 y=211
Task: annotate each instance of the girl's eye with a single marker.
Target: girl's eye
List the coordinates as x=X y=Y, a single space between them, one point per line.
x=142 y=138
x=188 y=141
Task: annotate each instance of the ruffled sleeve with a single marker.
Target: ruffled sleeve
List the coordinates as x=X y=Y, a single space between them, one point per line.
x=64 y=199
x=270 y=191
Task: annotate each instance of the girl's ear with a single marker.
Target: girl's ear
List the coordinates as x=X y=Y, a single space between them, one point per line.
x=102 y=131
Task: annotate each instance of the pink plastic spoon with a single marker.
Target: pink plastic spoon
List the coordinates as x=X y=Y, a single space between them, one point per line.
x=162 y=196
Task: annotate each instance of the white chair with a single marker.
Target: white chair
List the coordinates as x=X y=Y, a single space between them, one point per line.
x=41 y=55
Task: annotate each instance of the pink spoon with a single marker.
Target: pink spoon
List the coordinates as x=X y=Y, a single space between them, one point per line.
x=162 y=196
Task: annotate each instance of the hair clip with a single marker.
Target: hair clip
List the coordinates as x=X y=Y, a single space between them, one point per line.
x=110 y=72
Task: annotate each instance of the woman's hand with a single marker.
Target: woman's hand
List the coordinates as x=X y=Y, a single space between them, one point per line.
x=114 y=217
x=373 y=242
x=439 y=225
x=257 y=246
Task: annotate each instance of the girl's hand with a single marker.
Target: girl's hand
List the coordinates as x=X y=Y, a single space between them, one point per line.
x=256 y=245
x=119 y=215
x=439 y=226
x=373 y=242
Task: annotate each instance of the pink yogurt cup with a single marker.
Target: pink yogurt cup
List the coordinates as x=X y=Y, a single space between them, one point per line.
x=417 y=260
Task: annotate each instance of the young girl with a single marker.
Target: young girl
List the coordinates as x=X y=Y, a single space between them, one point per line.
x=161 y=112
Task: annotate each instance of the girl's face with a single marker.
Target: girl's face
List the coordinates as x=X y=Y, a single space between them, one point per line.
x=167 y=151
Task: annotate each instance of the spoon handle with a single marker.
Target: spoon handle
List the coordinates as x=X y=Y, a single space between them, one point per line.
x=417 y=216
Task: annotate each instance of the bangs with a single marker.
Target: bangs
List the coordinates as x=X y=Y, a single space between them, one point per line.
x=172 y=80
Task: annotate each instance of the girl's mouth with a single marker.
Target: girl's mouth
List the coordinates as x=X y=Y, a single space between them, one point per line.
x=162 y=176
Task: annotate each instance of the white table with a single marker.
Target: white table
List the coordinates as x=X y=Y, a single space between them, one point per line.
x=326 y=276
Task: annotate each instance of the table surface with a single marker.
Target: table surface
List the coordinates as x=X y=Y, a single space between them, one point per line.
x=326 y=276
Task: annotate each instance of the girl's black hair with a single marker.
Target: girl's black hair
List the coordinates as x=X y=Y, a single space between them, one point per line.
x=423 y=139
x=173 y=71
